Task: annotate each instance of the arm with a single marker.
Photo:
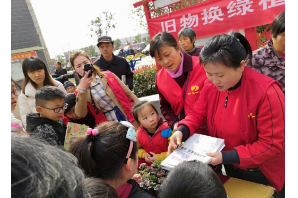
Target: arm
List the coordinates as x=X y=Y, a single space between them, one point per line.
x=141 y=153
x=129 y=76
x=24 y=108
x=81 y=108
x=194 y=120
x=162 y=156
x=46 y=133
x=270 y=121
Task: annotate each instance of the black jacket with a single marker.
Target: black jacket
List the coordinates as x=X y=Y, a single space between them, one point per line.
x=51 y=131
x=118 y=66
x=60 y=72
x=136 y=191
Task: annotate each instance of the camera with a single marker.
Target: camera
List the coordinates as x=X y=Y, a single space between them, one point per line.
x=88 y=67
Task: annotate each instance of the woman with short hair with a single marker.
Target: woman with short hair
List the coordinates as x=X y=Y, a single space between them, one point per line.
x=187 y=39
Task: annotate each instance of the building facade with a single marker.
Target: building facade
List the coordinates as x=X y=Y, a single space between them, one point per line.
x=26 y=38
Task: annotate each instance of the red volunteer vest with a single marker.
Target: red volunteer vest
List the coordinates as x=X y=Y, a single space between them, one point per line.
x=157 y=144
x=173 y=93
x=255 y=86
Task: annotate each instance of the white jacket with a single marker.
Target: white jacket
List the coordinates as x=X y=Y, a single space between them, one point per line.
x=27 y=102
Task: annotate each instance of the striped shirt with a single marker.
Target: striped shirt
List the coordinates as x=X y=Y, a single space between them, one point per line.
x=103 y=100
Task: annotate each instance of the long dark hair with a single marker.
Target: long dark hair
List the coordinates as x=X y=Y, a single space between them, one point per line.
x=33 y=64
x=227 y=49
x=278 y=24
x=104 y=155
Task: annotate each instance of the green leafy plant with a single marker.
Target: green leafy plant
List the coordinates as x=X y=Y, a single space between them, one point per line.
x=144 y=81
x=152 y=177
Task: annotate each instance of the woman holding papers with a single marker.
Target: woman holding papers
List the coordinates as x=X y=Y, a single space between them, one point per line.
x=243 y=107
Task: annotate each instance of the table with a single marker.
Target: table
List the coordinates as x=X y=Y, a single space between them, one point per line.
x=237 y=188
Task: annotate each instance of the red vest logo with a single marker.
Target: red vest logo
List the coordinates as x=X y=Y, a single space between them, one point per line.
x=194 y=90
x=111 y=79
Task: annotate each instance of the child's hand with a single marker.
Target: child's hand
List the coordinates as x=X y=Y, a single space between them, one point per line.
x=137 y=178
x=153 y=158
x=147 y=156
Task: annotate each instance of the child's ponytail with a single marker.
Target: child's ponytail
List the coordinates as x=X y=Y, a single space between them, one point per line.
x=104 y=155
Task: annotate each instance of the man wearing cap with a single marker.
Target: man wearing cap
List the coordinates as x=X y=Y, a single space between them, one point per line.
x=115 y=64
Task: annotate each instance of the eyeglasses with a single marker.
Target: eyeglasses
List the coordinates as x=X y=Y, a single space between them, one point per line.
x=14 y=92
x=57 y=110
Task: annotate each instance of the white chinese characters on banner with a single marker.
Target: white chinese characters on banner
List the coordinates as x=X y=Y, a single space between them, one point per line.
x=273 y=3
x=243 y=6
x=190 y=21
x=169 y=26
x=234 y=8
x=213 y=14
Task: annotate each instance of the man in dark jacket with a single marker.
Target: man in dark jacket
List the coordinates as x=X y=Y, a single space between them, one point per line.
x=115 y=64
x=60 y=73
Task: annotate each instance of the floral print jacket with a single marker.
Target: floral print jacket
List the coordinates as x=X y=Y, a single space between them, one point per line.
x=266 y=61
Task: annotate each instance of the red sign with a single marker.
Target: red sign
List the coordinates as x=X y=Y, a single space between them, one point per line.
x=217 y=17
x=23 y=55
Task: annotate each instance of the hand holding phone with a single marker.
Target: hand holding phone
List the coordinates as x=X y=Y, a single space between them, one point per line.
x=88 y=67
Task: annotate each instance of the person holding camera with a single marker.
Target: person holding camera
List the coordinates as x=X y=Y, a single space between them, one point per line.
x=102 y=94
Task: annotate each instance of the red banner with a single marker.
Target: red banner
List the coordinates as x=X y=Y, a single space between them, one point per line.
x=217 y=17
x=23 y=55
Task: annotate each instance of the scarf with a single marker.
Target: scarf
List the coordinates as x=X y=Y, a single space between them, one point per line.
x=179 y=71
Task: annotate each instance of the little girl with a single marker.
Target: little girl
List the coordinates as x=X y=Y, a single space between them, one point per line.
x=109 y=152
x=153 y=133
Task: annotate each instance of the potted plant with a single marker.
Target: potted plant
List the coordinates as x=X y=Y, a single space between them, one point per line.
x=152 y=177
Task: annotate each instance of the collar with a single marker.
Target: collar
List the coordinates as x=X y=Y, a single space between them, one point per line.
x=105 y=61
x=190 y=51
x=237 y=85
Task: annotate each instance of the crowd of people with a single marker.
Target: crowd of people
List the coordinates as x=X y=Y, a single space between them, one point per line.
x=222 y=90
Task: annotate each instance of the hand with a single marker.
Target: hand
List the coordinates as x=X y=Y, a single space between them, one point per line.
x=174 y=141
x=137 y=178
x=85 y=81
x=153 y=158
x=62 y=76
x=175 y=126
x=217 y=158
x=147 y=156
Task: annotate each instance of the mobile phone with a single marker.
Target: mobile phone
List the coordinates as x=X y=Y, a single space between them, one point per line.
x=88 y=67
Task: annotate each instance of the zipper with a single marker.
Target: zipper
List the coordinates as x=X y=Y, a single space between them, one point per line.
x=227 y=97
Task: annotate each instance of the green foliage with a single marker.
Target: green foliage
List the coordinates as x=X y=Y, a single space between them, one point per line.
x=117 y=44
x=102 y=24
x=144 y=81
x=138 y=38
x=90 y=51
x=60 y=58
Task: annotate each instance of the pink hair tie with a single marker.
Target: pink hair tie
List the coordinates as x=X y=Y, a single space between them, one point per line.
x=93 y=132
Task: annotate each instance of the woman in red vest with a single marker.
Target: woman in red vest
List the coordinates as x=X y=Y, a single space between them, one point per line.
x=180 y=80
x=103 y=94
x=243 y=107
